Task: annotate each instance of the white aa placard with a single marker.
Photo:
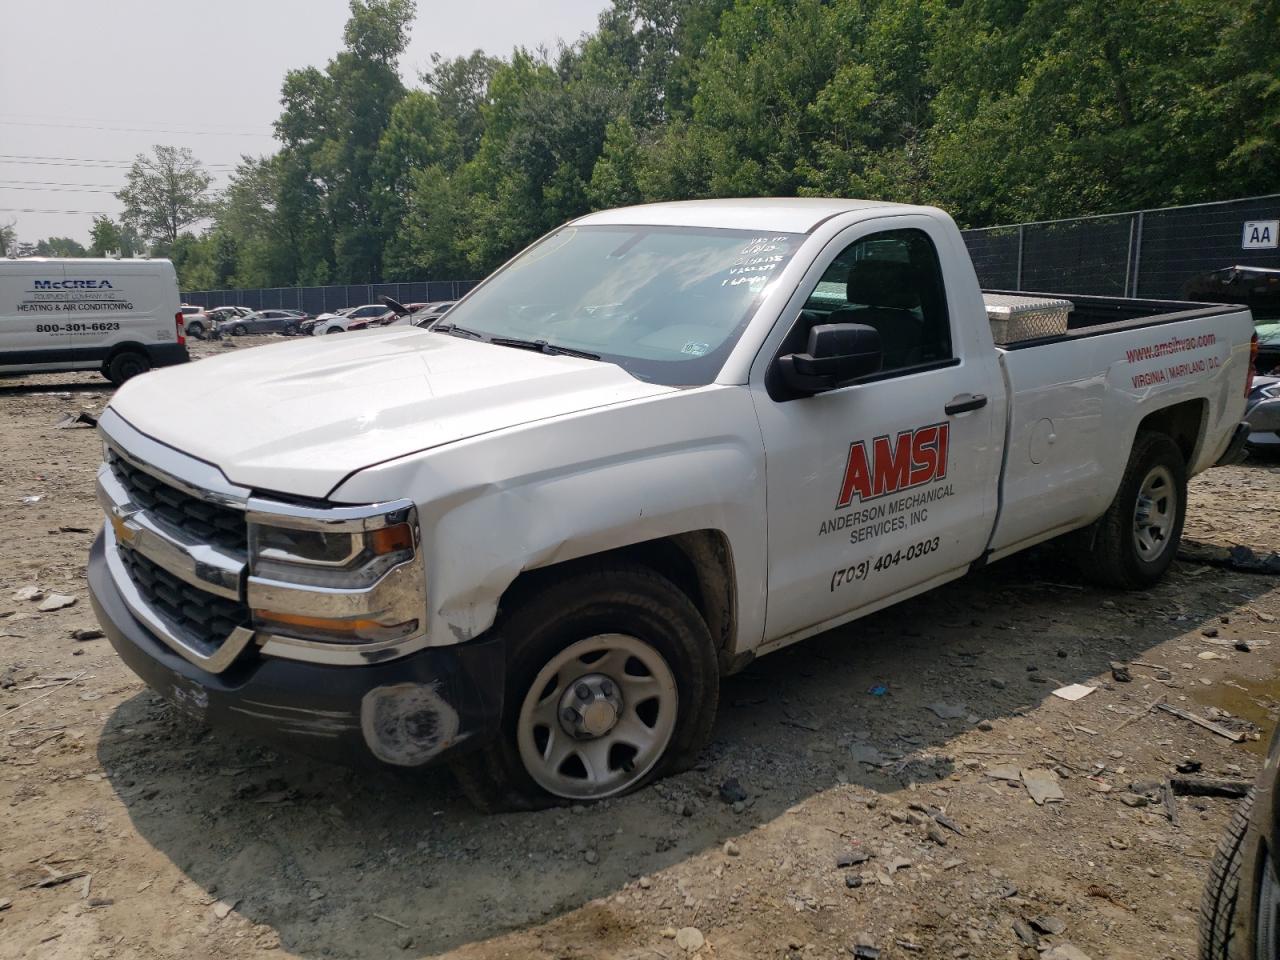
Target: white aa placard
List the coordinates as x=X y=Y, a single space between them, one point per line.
x=1260 y=234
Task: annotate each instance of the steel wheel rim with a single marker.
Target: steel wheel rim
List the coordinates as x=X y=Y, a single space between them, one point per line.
x=591 y=765
x=1155 y=513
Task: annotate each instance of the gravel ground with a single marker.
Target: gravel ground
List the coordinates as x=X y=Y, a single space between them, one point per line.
x=128 y=832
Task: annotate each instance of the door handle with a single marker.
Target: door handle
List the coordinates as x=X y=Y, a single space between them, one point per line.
x=965 y=402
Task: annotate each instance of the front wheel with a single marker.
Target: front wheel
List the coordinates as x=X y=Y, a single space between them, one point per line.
x=239 y=330
x=1133 y=543
x=335 y=330
x=611 y=683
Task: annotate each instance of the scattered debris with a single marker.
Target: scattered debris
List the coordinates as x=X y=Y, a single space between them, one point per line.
x=1073 y=691
x=56 y=879
x=390 y=920
x=1065 y=951
x=224 y=907
x=731 y=849
x=947 y=711
x=879 y=690
x=852 y=858
x=28 y=593
x=1022 y=930
x=1209 y=725
x=87 y=633
x=1049 y=926
x=1209 y=786
x=1120 y=673
x=55 y=601
x=1042 y=785
x=72 y=419
x=865 y=951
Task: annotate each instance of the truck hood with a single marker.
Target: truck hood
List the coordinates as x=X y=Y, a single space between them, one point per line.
x=299 y=416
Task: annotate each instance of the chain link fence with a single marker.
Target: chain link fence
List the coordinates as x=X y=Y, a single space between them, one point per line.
x=1154 y=254
x=317 y=300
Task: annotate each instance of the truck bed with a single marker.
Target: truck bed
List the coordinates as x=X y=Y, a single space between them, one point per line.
x=1093 y=316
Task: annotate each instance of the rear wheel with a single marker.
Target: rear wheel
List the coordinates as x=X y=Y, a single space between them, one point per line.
x=611 y=683
x=125 y=365
x=1134 y=542
x=195 y=329
x=335 y=330
x=239 y=330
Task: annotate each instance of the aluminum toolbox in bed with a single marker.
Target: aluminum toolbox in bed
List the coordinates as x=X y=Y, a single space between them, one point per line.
x=1014 y=318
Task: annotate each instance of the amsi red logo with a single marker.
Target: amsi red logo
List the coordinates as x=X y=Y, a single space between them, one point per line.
x=911 y=459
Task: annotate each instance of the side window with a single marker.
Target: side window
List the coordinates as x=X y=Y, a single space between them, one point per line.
x=891 y=281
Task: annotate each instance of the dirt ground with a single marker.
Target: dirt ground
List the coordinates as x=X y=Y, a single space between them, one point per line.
x=128 y=832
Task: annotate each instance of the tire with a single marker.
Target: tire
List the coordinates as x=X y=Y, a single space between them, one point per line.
x=290 y=330
x=239 y=330
x=196 y=330
x=1221 y=894
x=1118 y=550
x=632 y=612
x=126 y=365
x=335 y=330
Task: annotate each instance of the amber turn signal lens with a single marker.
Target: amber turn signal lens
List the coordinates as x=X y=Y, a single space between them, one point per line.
x=390 y=539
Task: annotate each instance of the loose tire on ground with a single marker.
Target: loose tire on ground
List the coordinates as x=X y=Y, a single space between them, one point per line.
x=1123 y=548
x=1222 y=891
x=125 y=365
x=596 y=604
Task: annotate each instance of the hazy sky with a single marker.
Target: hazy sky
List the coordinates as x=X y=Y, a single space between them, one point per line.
x=85 y=85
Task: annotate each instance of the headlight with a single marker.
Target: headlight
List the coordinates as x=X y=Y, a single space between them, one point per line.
x=350 y=575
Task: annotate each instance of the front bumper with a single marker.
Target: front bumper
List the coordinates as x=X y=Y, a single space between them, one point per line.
x=407 y=712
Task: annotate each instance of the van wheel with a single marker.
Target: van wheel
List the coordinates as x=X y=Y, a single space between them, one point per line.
x=611 y=683
x=1136 y=539
x=126 y=365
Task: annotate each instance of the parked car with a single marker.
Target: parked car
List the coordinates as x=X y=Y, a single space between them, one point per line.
x=541 y=532
x=121 y=317
x=309 y=326
x=288 y=322
x=1263 y=415
x=355 y=319
x=1268 y=347
x=206 y=322
x=1240 y=907
x=1258 y=288
x=186 y=309
x=422 y=314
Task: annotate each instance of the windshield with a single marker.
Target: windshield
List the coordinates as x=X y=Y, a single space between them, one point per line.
x=666 y=304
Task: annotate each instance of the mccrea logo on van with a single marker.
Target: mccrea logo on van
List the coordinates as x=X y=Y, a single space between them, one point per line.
x=73 y=285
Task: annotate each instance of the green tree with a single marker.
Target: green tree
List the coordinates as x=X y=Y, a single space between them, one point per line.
x=165 y=193
x=8 y=237
x=60 y=247
x=104 y=237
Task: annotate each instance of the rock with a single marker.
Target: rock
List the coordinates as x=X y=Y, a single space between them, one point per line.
x=645 y=883
x=731 y=791
x=685 y=808
x=986 y=726
x=864 y=948
x=1209 y=632
x=55 y=601
x=87 y=633
x=224 y=907
x=5 y=903
x=591 y=857
x=1189 y=766
x=866 y=753
x=853 y=880
x=668 y=933
x=1065 y=951
x=1022 y=930
x=947 y=711
x=998 y=683
x=689 y=939
x=1242 y=646
x=1050 y=926
x=739 y=807
x=28 y=593
x=1163 y=675
x=1133 y=800
x=1004 y=771
x=405 y=941
x=1120 y=673
x=936 y=835
x=731 y=849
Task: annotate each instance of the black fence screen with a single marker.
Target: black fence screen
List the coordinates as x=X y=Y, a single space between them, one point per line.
x=317 y=300
x=1162 y=254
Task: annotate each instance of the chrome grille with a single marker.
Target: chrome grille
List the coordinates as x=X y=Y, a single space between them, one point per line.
x=205 y=521
x=205 y=617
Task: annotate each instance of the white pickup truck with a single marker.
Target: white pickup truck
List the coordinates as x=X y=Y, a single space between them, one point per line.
x=660 y=442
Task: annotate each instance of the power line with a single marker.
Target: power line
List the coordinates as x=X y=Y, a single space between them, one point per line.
x=62 y=189
x=40 y=158
x=179 y=133
x=79 y=213
x=57 y=183
x=45 y=118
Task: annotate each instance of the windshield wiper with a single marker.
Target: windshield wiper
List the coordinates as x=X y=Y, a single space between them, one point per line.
x=454 y=328
x=543 y=347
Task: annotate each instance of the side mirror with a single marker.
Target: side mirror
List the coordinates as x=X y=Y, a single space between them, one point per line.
x=838 y=353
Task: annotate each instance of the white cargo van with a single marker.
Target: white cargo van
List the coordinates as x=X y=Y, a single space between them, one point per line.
x=117 y=316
